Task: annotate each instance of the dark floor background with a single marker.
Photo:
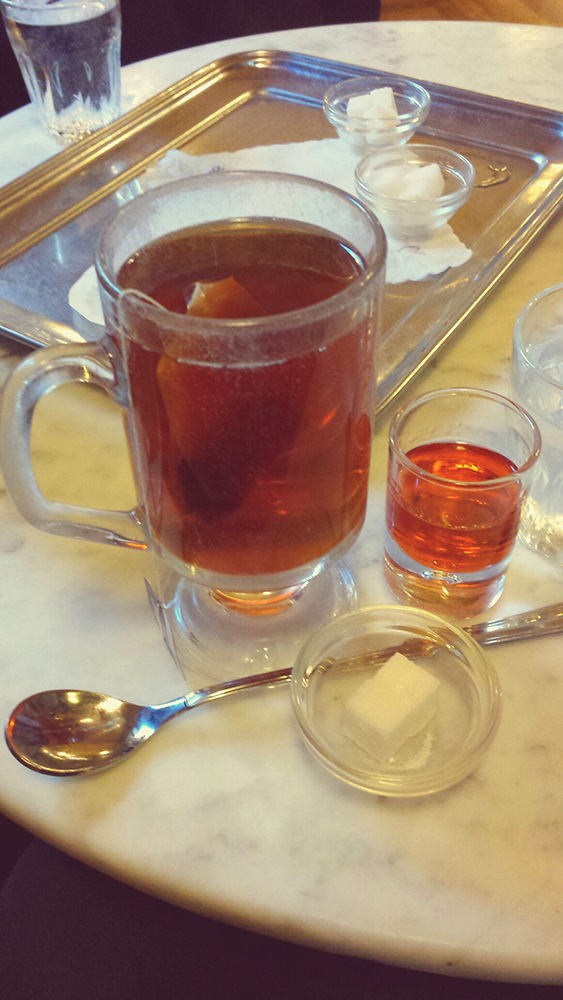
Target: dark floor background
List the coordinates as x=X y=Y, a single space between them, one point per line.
x=13 y=840
x=12 y=90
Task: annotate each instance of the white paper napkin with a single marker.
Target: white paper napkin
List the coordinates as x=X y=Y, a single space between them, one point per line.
x=85 y=297
x=329 y=160
x=416 y=261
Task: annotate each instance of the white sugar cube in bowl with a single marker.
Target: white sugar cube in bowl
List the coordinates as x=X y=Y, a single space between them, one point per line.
x=374 y=112
x=414 y=189
x=391 y=707
x=395 y=728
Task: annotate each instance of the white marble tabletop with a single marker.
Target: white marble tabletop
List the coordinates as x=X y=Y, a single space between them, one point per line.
x=225 y=812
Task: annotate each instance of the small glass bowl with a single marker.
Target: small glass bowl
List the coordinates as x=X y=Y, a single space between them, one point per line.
x=364 y=134
x=347 y=651
x=408 y=219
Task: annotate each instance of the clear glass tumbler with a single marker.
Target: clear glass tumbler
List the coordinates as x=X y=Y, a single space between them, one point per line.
x=537 y=383
x=69 y=52
x=460 y=465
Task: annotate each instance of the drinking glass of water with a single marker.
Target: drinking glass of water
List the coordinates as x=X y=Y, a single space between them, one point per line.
x=69 y=52
x=537 y=383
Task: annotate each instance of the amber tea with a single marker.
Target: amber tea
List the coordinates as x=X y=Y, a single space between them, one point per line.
x=252 y=468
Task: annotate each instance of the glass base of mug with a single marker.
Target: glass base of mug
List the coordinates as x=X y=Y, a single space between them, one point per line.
x=219 y=635
x=453 y=595
x=270 y=602
x=542 y=532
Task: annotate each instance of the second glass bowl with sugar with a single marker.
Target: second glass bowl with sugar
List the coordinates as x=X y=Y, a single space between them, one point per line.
x=414 y=189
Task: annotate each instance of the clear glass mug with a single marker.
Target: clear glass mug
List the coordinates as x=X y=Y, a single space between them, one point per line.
x=250 y=437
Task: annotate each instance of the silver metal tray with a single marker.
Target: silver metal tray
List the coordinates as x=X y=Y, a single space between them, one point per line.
x=51 y=218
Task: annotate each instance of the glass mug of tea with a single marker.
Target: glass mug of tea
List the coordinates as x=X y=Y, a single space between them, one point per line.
x=240 y=345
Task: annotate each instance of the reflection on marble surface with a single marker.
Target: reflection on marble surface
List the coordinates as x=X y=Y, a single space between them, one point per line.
x=226 y=812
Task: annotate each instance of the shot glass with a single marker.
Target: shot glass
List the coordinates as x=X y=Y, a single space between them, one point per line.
x=537 y=384
x=460 y=465
x=69 y=52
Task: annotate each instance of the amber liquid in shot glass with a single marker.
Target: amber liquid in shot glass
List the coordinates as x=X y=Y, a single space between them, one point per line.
x=453 y=506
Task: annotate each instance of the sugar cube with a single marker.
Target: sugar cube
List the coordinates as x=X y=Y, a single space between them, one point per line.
x=378 y=105
x=423 y=182
x=389 y=708
x=389 y=181
x=412 y=181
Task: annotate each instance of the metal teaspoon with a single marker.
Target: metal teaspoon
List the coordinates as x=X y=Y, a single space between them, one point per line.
x=69 y=732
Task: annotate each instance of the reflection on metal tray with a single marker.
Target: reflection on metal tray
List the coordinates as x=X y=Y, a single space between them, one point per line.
x=51 y=218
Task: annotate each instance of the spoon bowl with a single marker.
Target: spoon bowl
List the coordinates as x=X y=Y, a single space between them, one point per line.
x=66 y=732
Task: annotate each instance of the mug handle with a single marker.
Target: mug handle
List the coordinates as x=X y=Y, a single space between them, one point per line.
x=38 y=374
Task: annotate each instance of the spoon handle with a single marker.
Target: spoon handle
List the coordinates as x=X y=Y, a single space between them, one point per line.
x=239 y=684
x=528 y=625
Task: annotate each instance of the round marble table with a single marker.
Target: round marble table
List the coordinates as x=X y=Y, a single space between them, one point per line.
x=225 y=812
